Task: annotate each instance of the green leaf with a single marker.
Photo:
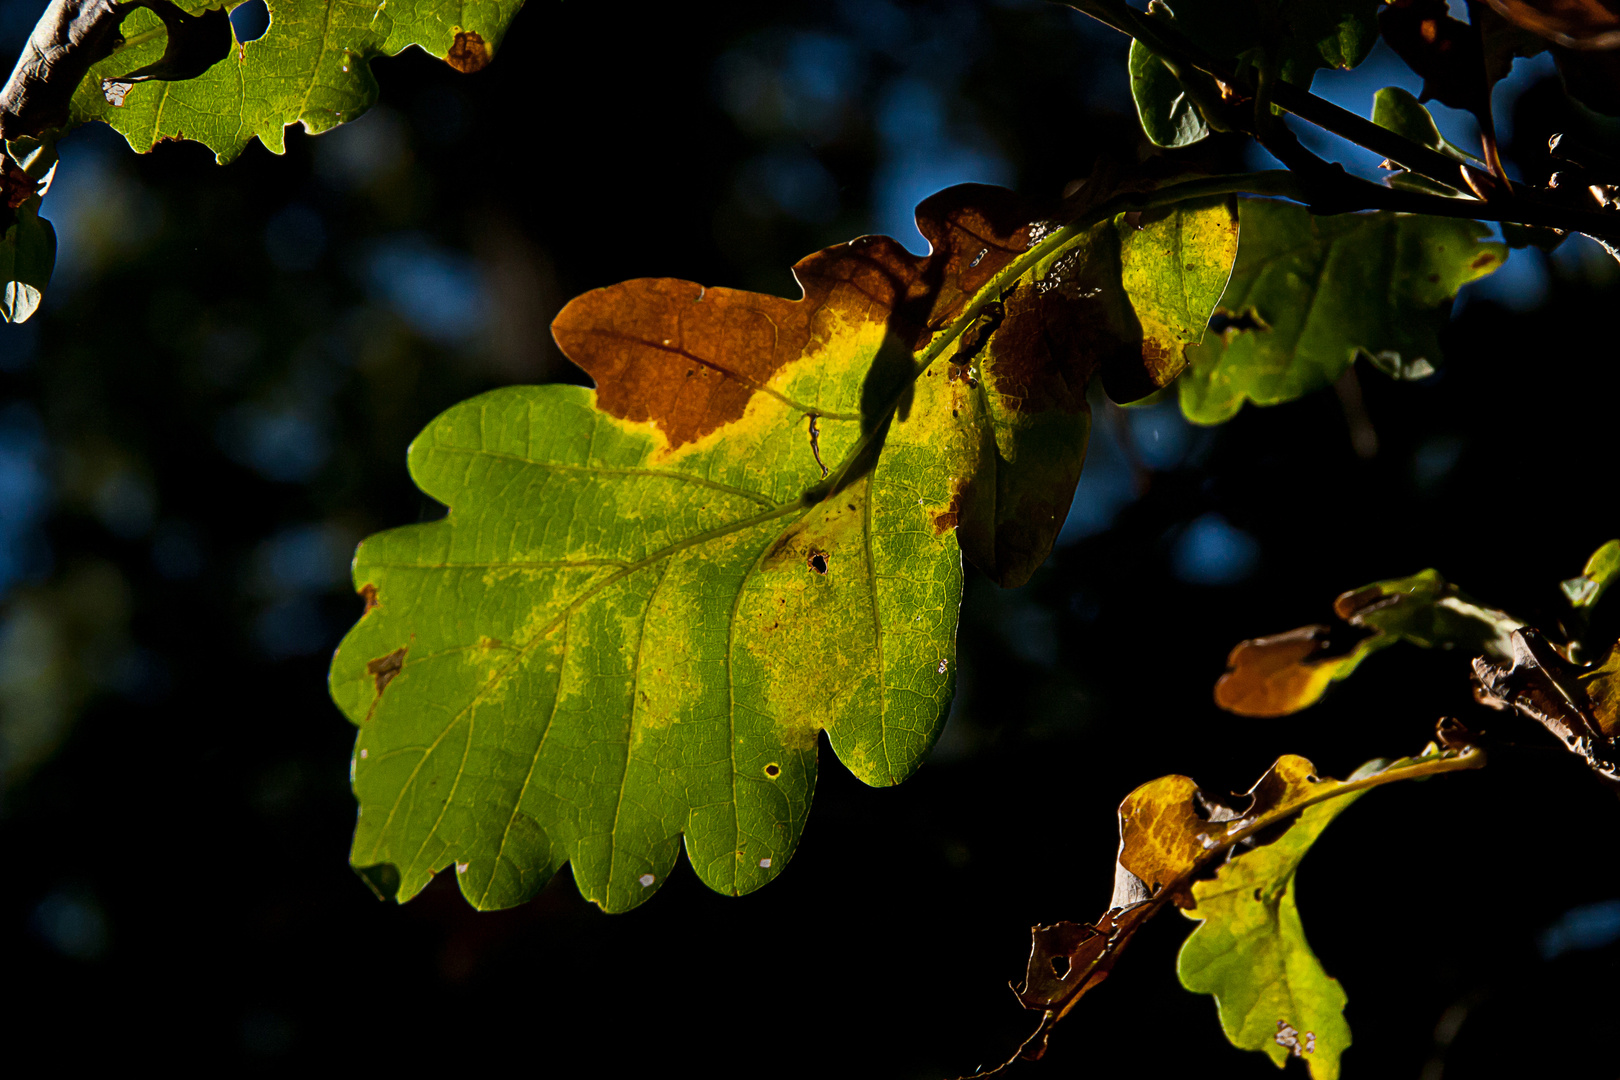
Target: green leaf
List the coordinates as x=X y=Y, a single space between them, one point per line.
x=1296 y=39
x=312 y=66
x=1249 y=949
x=648 y=600
x=1309 y=294
x=28 y=245
x=1284 y=673
x=1601 y=569
x=27 y=257
x=1169 y=117
x=1230 y=865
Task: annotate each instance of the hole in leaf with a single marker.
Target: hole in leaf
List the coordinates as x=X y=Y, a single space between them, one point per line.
x=817 y=561
x=773 y=770
x=1060 y=966
x=250 y=20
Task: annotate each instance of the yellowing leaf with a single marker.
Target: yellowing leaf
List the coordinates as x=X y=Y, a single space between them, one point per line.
x=1249 y=950
x=648 y=600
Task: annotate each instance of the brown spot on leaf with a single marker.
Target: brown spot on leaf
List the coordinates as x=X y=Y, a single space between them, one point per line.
x=817 y=561
x=469 y=53
x=689 y=359
x=1483 y=260
x=384 y=668
x=368 y=592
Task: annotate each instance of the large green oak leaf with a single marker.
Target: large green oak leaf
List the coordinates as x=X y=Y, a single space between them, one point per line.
x=648 y=600
x=311 y=67
x=1309 y=294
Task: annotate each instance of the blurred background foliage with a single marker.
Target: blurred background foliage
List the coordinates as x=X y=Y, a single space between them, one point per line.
x=214 y=407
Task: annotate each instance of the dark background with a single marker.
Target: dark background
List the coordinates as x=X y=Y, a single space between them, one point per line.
x=215 y=404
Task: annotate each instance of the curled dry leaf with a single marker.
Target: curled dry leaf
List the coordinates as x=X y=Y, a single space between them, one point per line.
x=1283 y=673
x=1231 y=867
x=1578 y=706
x=648 y=600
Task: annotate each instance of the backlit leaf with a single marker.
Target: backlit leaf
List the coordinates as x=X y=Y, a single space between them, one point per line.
x=1249 y=950
x=1283 y=673
x=1232 y=868
x=647 y=601
x=312 y=66
x=1310 y=294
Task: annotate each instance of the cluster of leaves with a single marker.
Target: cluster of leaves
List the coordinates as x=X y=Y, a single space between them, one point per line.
x=1232 y=867
x=649 y=599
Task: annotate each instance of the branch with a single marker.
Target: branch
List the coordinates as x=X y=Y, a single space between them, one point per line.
x=1517 y=207
x=74 y=35
x=70 y=38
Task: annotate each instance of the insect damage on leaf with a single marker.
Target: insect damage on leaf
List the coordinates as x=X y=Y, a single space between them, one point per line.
x=1283 y=673
x=1310 y=294
x=647 y=601
x=1231 y=867
x=312 y=67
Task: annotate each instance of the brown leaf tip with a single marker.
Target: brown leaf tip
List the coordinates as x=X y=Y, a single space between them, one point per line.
x=384 y=668
x=469 y=53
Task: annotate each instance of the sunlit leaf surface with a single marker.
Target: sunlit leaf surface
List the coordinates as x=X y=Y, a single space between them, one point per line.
x=312 y=66
x=648 y=600
x=1310 y=294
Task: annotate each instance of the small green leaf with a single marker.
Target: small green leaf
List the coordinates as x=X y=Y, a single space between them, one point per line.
x=1250 y=952
x=1601 y=570
x=27 y=257
x=1169 y=117
x=1298 y=38
x=1309 y=294
x=312 y=66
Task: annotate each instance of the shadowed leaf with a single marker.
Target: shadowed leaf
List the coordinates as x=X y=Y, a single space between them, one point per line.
x=1169 y=117
x=1297 y=40
x=1281 y=674
x=1309 y=294
x=647 y=601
